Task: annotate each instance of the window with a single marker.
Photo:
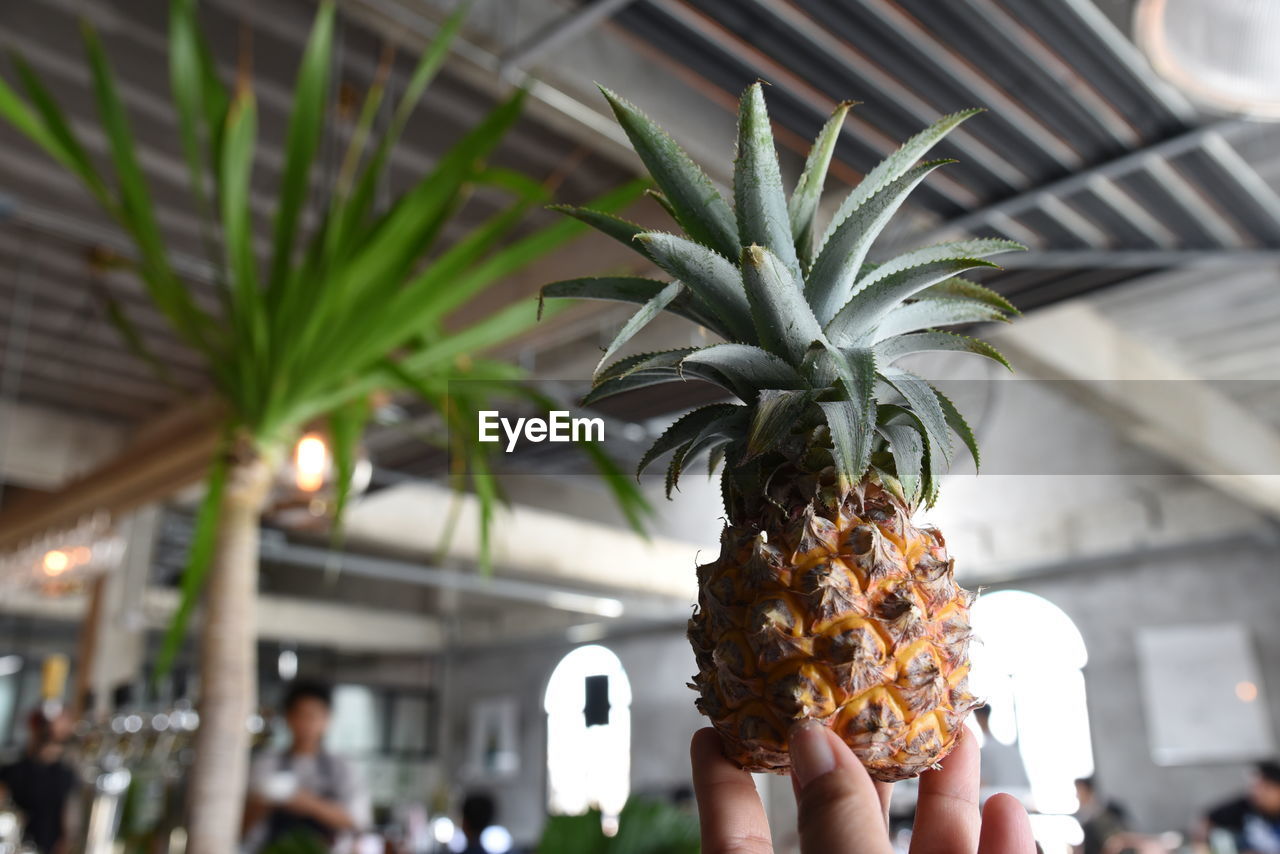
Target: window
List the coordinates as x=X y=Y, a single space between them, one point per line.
x=1027 y=665
x=588 y=734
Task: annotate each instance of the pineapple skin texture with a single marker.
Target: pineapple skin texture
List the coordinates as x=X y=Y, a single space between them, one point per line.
x=844 y=612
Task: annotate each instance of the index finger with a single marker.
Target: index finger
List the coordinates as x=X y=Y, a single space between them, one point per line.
x=947 y=818
x=729 y=807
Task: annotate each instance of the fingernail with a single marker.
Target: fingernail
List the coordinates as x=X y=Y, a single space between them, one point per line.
x=811 y=754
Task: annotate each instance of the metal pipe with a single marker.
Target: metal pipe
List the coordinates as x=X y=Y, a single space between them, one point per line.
x=277 y=548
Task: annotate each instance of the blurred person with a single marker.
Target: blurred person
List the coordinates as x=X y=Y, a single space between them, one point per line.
x=41 y=784
x=1001 y=768
x=479 y=811
x=1101 y=820
x=1253 y=820
x=305 y=789
x=841 y=810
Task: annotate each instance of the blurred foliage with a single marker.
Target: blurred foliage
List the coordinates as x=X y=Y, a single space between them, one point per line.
x=324 y=294
x=645 y=826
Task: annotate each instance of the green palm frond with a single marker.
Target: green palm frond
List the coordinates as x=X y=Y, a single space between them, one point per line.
x=337 y=310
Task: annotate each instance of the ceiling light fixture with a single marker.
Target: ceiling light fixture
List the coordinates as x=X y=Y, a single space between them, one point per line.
x=311 y=462
x=1220 y=53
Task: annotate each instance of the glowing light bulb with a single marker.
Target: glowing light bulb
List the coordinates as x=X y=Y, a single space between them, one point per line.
x=310 y=462
x=1246 y=692
x=56 y=562
x=287 y=664
x=442 y=829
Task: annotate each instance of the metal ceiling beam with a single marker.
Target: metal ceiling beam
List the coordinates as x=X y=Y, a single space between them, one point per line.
x=1025 y=122
x=85 y=401
x=559 y=32
x=1191 y=199
x=881 y=81
x=99 y=361
x=797 y=87
x=396 y=16
x=1247 y=178
x=58 y=224
x=1103 y=113
x=1213 y=437
x=1124 y=204
x=982 y=90
x=49 y=320
x=1127 y=53
x=1140 y=258
x=1083 y=180
x=1070 y=219
x=152 y=106
x=45 y=366
x=1177 y=104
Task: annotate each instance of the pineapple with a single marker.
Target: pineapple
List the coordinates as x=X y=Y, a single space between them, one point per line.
x=826 y=602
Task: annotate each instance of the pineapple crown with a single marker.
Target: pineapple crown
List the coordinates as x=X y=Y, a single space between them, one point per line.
x=812 y=331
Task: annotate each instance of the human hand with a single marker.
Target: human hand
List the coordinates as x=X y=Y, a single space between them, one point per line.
x=842 y=810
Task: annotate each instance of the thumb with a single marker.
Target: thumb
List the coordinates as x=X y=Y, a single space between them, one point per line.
x=839 y=808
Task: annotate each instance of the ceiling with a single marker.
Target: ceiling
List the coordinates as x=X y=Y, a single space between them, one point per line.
x=1083 y=154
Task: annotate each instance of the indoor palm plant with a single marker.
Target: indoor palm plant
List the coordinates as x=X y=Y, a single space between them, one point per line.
x=331 y=315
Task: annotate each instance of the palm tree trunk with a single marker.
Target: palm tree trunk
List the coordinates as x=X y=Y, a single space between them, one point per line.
x=228 y=663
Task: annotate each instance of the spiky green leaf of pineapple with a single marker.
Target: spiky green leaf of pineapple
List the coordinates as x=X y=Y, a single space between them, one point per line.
x=813 y=331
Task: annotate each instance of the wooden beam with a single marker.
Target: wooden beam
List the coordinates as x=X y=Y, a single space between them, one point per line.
x=1155 y=402
x=170 y=454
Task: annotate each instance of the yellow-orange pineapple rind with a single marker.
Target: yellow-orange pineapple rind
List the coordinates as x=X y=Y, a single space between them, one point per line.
x=855 y=621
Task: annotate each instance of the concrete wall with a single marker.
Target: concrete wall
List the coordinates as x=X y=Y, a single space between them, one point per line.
x=662 y=719
x=1109 y=602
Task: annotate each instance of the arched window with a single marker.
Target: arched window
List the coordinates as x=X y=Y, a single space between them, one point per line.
x=1027 y=665
x=588 y=705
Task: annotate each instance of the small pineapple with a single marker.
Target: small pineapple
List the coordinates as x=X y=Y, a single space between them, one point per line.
x=826 y=601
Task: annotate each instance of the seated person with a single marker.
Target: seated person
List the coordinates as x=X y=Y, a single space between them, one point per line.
x=1254 y=819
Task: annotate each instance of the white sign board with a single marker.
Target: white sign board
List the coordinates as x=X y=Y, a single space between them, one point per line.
x=1203 y=695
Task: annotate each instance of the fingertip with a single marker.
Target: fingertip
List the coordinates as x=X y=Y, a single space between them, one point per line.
x=965 y=754
x=1006 y=829
x=705 y=744
x=729 y=807
x=957 y=774
x=812 y=752
x=844 y=754
x=834 y=792
x=947 y=815
x=1004 y=806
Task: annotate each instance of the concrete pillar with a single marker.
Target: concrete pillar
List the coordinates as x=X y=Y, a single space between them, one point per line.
x=120 y=644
